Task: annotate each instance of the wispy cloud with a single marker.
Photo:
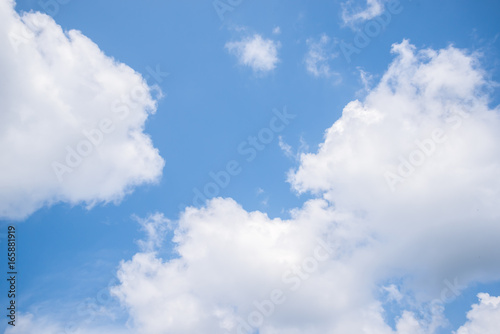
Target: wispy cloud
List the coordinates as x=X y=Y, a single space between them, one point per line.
x=155 y=227
x=352 y=13
x=289 y=151
x=318 y=57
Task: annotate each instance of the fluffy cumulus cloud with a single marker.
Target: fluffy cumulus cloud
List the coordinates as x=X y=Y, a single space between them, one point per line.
x=237 y=271
x=256 y=52
x=406 y=213
x=352 y=13
x=484 y=318
x=419 y=159
x=72 y=120
x=317 y=57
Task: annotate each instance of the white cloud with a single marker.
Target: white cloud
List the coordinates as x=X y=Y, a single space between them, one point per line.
x=277 y=30
x=317 y=57
x=230 y=259
x=57 y=86
x=484 y=318
x=352 y=14
x=419 y=159
x=256 y=52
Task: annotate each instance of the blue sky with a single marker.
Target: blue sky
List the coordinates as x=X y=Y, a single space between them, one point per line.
x=224 y=77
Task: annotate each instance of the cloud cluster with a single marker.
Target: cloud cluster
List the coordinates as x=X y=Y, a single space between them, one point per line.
x=419 y=159
x=368 y=240
x=72 y=120
x=406 y=185
x=484 y=317
x=260 y=54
